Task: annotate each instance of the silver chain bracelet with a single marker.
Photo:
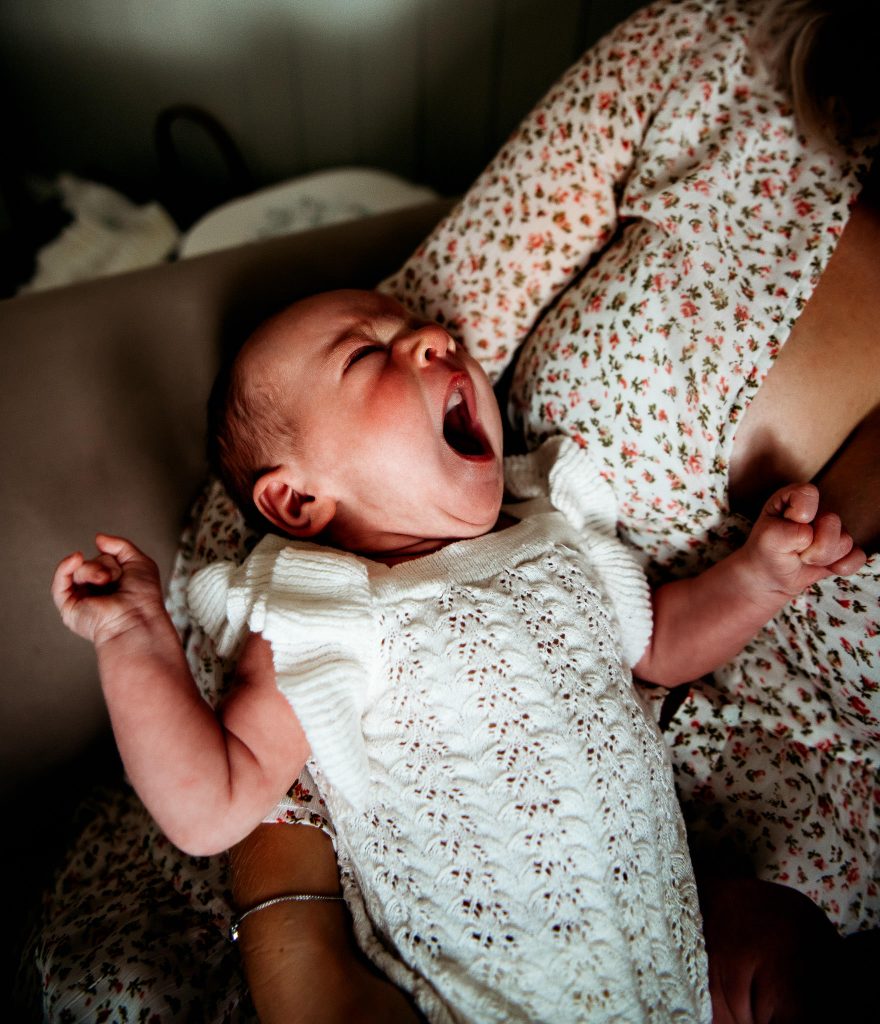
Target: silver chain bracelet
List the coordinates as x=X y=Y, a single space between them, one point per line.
x=294 y=898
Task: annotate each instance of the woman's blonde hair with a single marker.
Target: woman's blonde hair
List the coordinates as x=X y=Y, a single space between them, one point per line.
x=825 y=53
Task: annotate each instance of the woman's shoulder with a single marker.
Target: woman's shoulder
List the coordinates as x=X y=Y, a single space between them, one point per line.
x=688 y=20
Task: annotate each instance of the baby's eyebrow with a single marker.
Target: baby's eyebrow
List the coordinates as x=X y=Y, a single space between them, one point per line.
x=346 y=334
x=343 y=340
x=379 y=327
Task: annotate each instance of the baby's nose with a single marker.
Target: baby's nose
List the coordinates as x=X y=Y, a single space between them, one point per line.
x=428 y=343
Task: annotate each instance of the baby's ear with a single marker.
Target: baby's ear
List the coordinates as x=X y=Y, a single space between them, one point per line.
x=294 y=512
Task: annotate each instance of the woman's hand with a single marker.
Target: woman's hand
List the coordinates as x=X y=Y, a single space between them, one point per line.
x=791 y=547
x=102 y=598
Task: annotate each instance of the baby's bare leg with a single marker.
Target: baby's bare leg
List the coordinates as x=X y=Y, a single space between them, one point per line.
x=773 y=955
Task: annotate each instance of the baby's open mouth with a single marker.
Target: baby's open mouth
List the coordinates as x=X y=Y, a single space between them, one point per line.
x=461 y=430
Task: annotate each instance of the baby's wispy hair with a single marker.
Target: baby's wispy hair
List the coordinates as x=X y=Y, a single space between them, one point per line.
x=248 y=433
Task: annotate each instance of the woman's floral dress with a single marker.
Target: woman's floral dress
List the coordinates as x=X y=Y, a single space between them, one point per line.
x=647 y=237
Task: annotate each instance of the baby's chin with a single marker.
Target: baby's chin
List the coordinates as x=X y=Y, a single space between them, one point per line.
x=486 y=522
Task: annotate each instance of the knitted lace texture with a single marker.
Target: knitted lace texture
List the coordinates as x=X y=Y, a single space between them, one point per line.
x=507 y=829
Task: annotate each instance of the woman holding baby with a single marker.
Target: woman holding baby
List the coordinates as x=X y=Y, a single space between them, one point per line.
x=683 y=264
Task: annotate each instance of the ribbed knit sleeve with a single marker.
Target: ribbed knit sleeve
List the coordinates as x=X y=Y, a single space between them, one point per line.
x=627 y=588
x=314 y=607
x=223 y=597
x=565 y=472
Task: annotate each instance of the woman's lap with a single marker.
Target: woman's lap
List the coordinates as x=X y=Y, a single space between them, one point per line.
x=780 y=761
x=130 y=930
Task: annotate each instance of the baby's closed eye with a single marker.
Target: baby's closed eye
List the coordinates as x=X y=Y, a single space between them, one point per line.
x=360 y=353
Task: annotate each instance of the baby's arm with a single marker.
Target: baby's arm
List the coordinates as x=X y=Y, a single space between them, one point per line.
x=702 y=622
x=207 y=779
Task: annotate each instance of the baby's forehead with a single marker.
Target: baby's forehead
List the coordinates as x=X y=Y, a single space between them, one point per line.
x=323 y=316
x=352 y=301
x=333 y=314
x=311 y=326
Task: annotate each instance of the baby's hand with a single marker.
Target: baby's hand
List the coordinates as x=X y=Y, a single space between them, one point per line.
x=106 y=596
x=793 y=548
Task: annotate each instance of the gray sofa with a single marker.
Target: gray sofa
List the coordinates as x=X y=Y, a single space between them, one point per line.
x=102 y=425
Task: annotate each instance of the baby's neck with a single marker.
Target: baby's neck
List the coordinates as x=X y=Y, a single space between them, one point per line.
x=428 y=547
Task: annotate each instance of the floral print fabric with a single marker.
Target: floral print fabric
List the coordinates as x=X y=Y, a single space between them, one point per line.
x=649 y=236
x=134 y=930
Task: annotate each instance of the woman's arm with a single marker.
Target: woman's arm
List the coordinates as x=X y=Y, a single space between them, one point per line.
x=300 y=959
x=700 y=623
x=207 y=779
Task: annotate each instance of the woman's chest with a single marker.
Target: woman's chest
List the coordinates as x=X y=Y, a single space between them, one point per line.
x=653 y=356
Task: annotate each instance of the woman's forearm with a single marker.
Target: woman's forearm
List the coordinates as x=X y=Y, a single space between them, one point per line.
x=300 y=959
